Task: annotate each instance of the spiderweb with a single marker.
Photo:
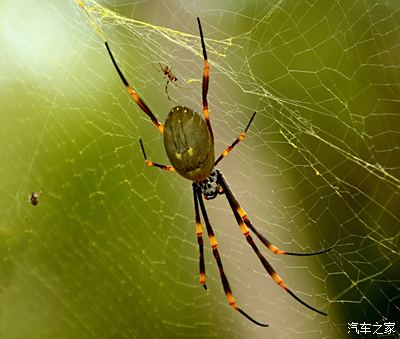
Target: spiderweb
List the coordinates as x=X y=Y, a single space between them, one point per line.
x=111 y=250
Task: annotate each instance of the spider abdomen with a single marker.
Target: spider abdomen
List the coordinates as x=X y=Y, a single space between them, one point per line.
x=189 y=144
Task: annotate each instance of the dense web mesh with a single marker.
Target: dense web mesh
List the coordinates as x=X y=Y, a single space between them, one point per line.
x=111 y=251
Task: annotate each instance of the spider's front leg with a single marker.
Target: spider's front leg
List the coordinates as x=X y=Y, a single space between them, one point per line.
x=244 y=222
x=237 y=208
x=199 y=233
x=198 y=198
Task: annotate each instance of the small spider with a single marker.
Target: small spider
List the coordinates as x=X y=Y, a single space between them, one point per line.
x=170 y=77
x=34 y=198
x=189 y=144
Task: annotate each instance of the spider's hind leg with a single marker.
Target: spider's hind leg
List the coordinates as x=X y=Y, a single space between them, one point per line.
x=133 y=93
x=206 y=79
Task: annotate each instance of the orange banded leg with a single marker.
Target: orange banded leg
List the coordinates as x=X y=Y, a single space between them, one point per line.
x=206 y=76
x=133 y=93
x=233 y=203
x=238 y=139
x=199 y=232
x=154 y=164
x=224 y=279
x=264 y=240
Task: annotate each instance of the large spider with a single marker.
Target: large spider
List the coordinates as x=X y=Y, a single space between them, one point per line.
x=189 y=144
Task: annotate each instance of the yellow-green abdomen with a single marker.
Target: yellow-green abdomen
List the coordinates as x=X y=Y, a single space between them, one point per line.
x=189 y=144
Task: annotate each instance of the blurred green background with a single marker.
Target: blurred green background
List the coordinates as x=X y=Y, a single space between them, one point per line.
x=111 y=250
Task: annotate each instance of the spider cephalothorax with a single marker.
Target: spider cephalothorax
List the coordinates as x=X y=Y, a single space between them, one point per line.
x=189 y=144
x=209 y=187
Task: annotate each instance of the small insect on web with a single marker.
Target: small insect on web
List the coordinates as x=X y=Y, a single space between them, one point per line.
x=34 y=198
x=189 y=144
x=170 y=78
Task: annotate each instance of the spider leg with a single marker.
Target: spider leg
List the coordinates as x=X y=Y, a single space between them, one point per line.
x=205 y=80
x=166 y=90
x=265 y=241
x=242 y=224
x=133 y=93
x=238 y=139
x=199 y=232
x=214 y=245
x=153 y=164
